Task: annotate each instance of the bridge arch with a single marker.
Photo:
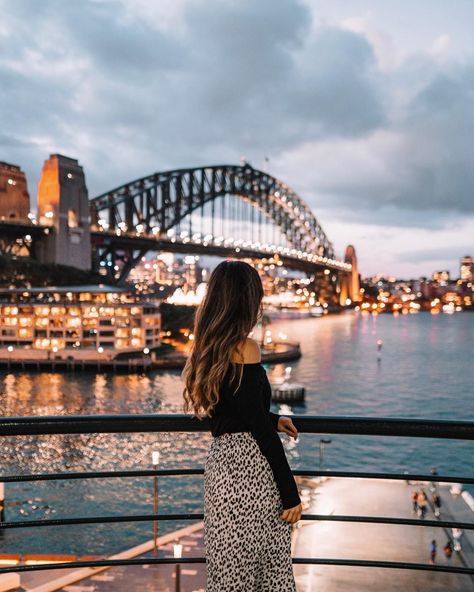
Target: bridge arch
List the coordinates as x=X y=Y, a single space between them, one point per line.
x=159 y=202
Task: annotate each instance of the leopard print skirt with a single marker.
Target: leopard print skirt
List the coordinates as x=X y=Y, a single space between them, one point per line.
x=247 y=543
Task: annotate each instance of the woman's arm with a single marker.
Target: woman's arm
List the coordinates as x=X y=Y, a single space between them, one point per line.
x=249 y=352
x=274 y=417
x=249 y=405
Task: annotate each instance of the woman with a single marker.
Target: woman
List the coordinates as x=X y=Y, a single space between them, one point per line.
x=251 y=499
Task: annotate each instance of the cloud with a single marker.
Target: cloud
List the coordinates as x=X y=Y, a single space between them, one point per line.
x=7 y=141
x=366 y=132
x=388 y=56
x=441 y=45
x=235 y=77
x=417 y=170
x=445 y=253
x=402 y=251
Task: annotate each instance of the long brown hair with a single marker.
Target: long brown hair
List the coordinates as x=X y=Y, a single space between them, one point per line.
x=230 y=309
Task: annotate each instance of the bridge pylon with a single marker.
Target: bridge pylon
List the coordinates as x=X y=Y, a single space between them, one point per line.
x=350 y=282
x=63 y=205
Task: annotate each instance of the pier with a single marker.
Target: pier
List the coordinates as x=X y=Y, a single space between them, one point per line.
x=282 y=352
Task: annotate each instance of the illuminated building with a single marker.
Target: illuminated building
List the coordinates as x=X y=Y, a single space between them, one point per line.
x=170 y=271
x=84 y=322
x=466 y=269
x=14 y=197
x=151 y=271
x=190 y=272
x=442 y=277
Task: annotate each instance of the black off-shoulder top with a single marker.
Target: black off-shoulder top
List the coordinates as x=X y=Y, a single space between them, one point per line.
x=248 y=410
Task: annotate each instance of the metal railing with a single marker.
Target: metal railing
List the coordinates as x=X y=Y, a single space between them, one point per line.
x=90 y=424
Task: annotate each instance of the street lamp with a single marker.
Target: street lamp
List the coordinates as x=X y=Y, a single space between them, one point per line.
x=155 y=459
x=322 y=442
x=10 y=349
x=178 y=552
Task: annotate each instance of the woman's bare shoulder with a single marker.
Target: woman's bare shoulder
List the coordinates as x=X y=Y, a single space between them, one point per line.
x=250 y=352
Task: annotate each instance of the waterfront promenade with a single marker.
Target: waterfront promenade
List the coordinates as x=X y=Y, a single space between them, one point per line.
x=315 y=539
x=378 y=541
x=142 y=578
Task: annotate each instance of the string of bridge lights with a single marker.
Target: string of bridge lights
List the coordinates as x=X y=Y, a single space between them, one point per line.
x=209 y=239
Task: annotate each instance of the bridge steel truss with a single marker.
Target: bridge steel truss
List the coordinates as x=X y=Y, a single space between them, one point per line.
x=158 y=203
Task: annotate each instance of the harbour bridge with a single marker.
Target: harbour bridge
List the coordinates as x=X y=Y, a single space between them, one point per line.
x=222 y=210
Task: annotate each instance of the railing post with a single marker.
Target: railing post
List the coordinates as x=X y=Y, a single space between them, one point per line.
x=178 y=552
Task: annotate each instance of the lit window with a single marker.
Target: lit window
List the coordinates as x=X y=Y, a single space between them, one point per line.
x=72 y=218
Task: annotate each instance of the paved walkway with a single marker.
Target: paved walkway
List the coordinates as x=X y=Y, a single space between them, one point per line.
x=150 y=578
x=136 y=578
x=317 y=539
x=376 y=541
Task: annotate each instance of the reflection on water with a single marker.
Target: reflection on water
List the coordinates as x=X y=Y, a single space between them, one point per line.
x=425 y=371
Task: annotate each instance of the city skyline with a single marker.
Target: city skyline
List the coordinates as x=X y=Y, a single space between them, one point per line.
x=381 y=156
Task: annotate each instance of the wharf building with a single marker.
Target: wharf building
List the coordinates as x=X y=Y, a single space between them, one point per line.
x=89 y=323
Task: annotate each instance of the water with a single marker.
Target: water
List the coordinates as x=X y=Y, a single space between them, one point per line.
x=426 y=371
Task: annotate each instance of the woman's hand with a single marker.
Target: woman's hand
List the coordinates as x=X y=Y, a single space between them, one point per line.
x=292 y=515
x=287 y=426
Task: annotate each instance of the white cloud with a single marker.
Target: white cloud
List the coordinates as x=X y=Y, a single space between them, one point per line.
x=388 y=55
x=403 y=252
x=441 y=45
x=367 y=131
x=165 y=15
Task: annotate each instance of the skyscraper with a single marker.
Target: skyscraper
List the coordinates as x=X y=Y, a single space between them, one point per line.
x=442 y=277
x=466 y=269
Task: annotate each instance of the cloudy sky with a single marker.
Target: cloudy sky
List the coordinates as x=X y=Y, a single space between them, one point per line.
x=364 y=107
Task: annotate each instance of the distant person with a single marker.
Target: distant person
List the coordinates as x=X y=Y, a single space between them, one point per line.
x=448 y=548
x=457 y=533
x=422 y=502
x=437 y=504
x=414 y=499
x=433 y=552
x=251 y=499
